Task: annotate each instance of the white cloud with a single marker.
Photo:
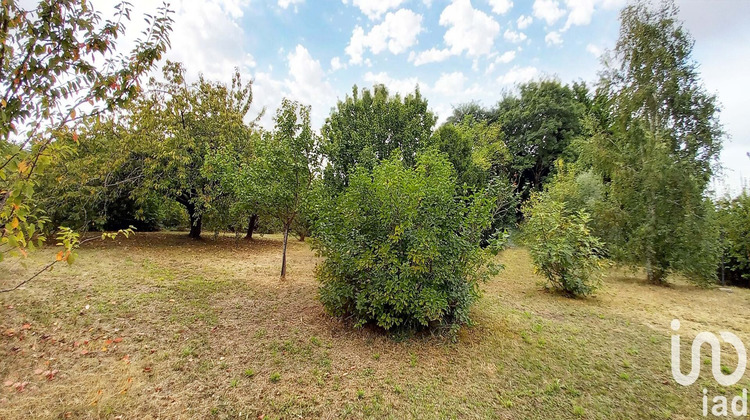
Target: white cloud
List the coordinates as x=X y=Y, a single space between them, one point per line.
x=336 y=64
x=524 y=21
x=356 y=46
x=553 y=38
x=450 y=83
x=401 y=86
x=501 y=7
x=433 y=55
x=207 y=37
x=594 y=50
x=469 y=29
x=307 y=80
x=580 y=12
x=397 y=33
x=374 y=9
x=505 y=58
x=518 y=75
x=513 y=36
x=548 y=10
x=284 y=4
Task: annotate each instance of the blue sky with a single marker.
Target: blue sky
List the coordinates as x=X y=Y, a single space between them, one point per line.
x=456 y=51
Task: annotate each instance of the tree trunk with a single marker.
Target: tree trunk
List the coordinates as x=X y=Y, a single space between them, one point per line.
x=195 y=218
x=252 y=221
x=196 y=222
x=283 y=255
x=655 y=275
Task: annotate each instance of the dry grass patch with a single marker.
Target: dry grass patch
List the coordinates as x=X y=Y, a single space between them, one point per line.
x=164 y=327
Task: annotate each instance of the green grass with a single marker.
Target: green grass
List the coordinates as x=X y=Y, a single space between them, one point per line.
x=183 y=321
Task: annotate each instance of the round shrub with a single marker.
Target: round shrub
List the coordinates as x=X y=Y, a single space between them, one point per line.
x=562 y=247
x=401 y=246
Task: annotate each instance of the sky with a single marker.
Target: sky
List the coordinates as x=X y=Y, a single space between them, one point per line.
x=454 y=50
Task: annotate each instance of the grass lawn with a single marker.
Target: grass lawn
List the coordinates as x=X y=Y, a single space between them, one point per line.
x=161 y=326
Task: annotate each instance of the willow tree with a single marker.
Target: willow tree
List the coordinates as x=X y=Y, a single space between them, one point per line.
x=661 y=147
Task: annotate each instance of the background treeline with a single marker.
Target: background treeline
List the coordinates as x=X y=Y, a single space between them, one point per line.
x=407 y=214
x=619 y=170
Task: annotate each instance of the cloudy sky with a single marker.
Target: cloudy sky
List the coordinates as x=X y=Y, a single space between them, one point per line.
x=456 y=51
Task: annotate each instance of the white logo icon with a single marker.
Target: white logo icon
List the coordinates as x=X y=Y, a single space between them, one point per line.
x=695 y=362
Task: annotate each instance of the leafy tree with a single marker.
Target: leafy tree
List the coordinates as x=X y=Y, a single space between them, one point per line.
x=280 y=175
x=479 y=156
x=475 y=148
x=58 y=65
x=401 y=248
x=458 y=148
x=658 y=153
x=539 y=124
x=582 y=190
x=94 y=185
x=734 y=222
x=178 y=125
x=368 y=126
x=562 y=246
x=473 y=110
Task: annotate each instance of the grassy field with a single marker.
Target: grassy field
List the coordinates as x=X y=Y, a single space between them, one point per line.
x=164 y=327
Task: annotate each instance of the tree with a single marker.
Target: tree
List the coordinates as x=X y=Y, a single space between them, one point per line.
x=368 y=126
x=734 y=222
x=402 y=248
x=658 y=153
x=281 y=173
x=457 y=146
x=562 y=246
x=58 y=66
x=178 y=126
x=95 y=185
x=473 y=110
x=539 y=125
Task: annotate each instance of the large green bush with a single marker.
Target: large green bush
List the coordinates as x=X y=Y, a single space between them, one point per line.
x=402 y=248
x=562 y=246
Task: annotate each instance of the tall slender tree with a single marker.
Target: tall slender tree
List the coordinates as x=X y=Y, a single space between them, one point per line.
x=280 y=175
x=659 y=151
